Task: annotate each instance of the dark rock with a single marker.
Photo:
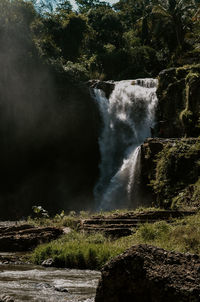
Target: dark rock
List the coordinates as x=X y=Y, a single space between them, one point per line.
x=106 y=86
x=18 y=238
x=148 y=274
x=61 y=290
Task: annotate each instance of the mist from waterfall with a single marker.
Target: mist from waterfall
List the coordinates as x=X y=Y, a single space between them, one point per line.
x=128 y=116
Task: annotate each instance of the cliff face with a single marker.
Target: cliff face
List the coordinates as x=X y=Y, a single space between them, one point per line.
x=178 y=112
x=170 y=165
x=170 y=171
x=49 y=142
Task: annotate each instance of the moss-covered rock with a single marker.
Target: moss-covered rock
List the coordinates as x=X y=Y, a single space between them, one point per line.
x=178 y=110
x=171 y=167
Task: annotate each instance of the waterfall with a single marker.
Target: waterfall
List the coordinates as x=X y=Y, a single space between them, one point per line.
x=128 y=116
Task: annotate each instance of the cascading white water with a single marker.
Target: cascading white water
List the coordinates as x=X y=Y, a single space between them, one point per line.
x=128 y=117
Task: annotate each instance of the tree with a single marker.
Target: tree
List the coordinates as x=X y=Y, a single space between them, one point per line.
x=63 y=7
x=85 y=5
x=176 y=15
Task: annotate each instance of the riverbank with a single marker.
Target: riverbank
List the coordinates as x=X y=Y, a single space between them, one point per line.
x=88 y=241
x=58 y=268
x=80 y=249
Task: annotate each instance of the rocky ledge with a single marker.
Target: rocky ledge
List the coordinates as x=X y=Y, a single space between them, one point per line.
x=118 y=225
x=106 y=86
x=149 y=274
x=24 y=237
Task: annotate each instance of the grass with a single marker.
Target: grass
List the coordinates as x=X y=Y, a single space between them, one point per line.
x=182 y=235
x=73 y=218
x=80 y=250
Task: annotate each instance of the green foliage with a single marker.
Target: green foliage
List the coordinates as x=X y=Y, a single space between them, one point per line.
x=71 y=220
x=182 y=235
x=16 y=43
x=149 y=232
x=40 y=212
x=85 y=5
x=129 y=40
x=177 y=167
x=188 y=197
x=78 y=250
x=76 y=71
x=64 y=7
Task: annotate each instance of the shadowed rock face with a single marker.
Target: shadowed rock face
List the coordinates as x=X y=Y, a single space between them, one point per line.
x=180 y=177
x=149 y=274
x=106 y=86
x=179 y=102
x=49 y=143
x=150 y=149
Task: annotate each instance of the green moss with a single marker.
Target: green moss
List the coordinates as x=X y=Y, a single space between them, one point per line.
x=177 y=167
x=188 y=197
x=179 y=106
x=186 y=118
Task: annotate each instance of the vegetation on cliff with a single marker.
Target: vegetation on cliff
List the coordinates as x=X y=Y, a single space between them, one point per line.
x=179 y=105
x=177 y=171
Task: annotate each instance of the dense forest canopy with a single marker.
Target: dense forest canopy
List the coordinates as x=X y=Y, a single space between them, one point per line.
x=132 y=38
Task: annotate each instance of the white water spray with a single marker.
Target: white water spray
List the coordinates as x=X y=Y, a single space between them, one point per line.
x=128 y=117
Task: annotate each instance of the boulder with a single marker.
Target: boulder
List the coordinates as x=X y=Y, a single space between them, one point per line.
x=146 y=273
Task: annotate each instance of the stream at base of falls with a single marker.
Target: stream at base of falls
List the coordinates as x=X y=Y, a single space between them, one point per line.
x=36 y=283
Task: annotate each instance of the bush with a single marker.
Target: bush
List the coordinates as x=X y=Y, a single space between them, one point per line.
x=149 y=232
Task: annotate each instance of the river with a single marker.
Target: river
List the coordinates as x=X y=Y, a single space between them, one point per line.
x=36 y=283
